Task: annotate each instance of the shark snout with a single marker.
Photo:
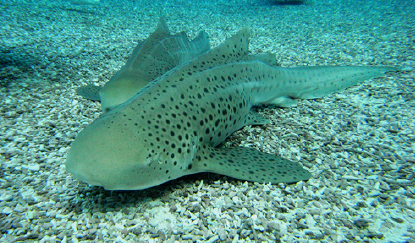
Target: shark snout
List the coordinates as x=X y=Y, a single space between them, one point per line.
x=83 y=170
x=96 y=174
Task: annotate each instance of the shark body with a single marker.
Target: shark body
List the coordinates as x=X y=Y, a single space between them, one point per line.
x=172 y=126
x=151 y=58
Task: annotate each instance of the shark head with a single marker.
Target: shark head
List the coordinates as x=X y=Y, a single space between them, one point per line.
x=125 y=150
x=89 y=159
x=112 y=152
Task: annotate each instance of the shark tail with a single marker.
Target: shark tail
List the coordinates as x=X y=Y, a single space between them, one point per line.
x=316 y=82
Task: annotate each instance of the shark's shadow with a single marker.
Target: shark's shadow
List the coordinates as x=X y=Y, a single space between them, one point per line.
x=98 y=199
x=13 y=62
x=80 y=10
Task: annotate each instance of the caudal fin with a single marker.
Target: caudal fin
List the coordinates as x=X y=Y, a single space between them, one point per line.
x=311 y=82
x=321 y=81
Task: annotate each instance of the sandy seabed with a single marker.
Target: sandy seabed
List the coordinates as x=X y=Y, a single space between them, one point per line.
x=359 y=144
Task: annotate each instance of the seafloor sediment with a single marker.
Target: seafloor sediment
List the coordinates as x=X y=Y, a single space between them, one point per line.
x=359 y=144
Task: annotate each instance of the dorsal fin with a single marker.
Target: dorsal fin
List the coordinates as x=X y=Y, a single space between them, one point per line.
x=234 y=49
x=172 y=52
x=143 y=49
x=231 y=50
x=159 y=53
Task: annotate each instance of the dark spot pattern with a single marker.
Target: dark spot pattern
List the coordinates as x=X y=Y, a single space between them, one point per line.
x=253 y=165
x=177 y=122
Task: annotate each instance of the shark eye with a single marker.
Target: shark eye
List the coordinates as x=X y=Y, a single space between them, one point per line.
x=149 y=161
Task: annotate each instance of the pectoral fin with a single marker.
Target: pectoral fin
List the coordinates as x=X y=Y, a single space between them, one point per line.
x=248 y=164
x=90 y=92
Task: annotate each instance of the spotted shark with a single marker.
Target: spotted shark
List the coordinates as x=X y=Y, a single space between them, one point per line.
x=151 y=58
x=174 y=125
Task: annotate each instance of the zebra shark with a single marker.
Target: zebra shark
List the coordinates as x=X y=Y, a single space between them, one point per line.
x=174 y=125
x=151 y=58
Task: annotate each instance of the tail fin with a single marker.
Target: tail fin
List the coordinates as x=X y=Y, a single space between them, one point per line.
x=317 y=81
x=325 y=80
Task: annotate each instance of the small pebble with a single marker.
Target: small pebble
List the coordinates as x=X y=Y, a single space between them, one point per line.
x=374 y=193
